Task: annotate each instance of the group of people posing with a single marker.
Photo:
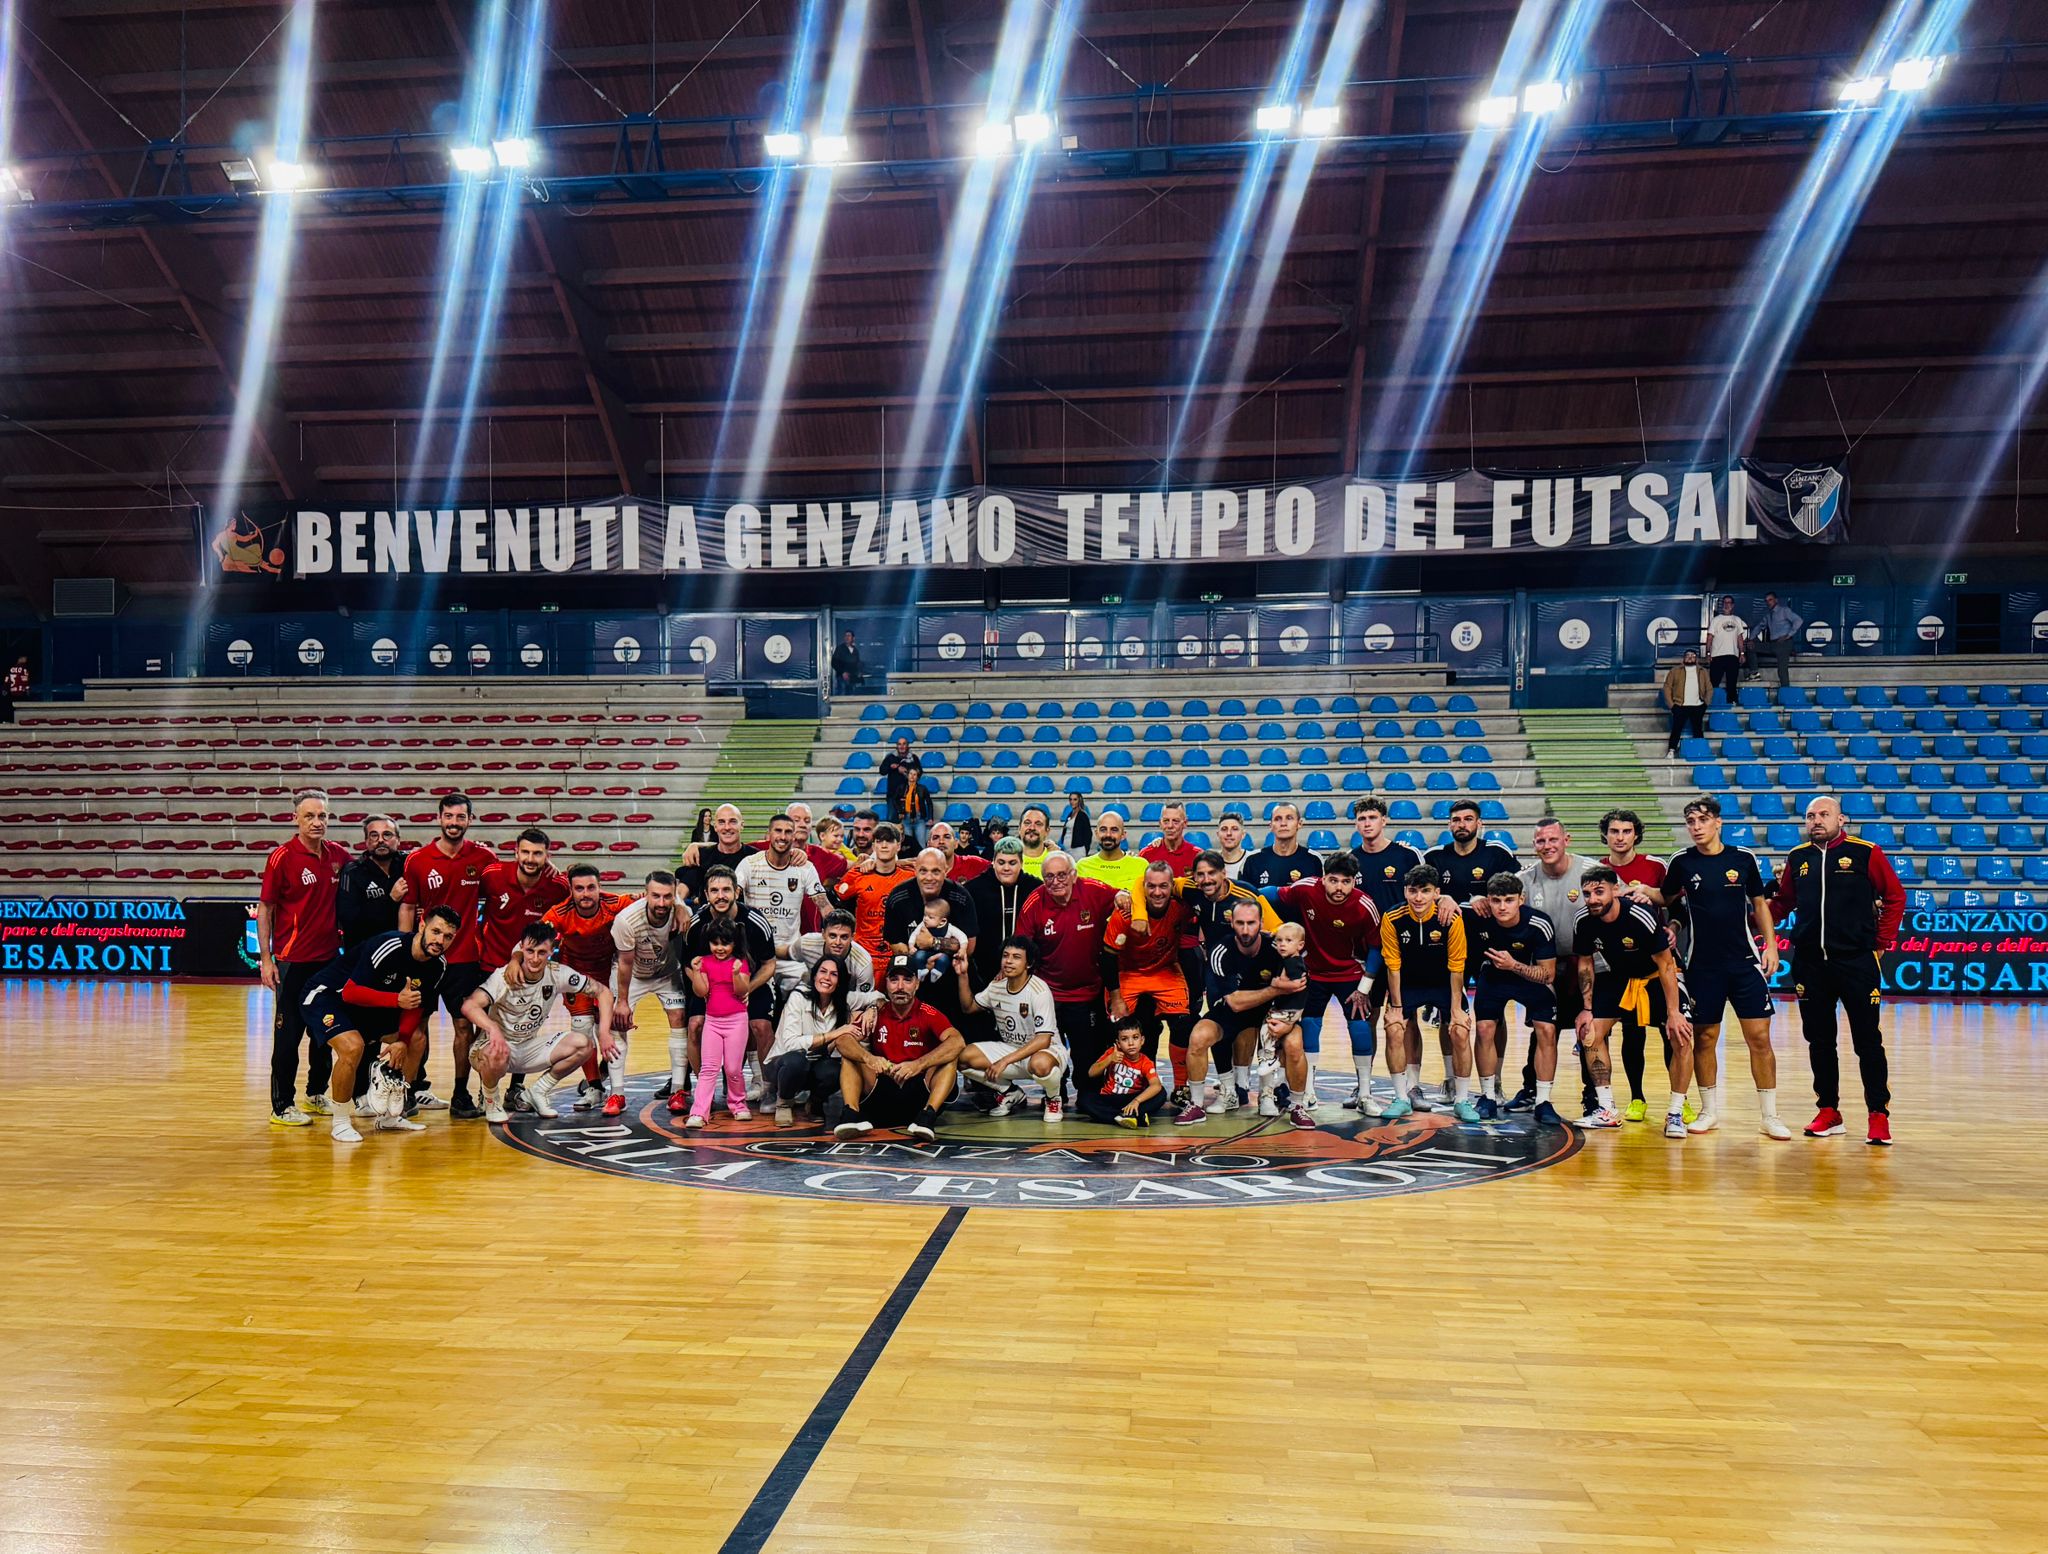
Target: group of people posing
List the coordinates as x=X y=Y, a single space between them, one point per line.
x=818 y=970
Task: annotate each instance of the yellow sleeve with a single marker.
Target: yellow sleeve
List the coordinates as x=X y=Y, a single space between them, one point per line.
x=1268 y=918
x=1456 y=947
x=1390 y=943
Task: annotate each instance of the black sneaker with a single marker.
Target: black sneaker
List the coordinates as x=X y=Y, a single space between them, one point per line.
x=1523 y=1101
x=1178 y=1101
x=666 y=1090
x=463 y=1109
x=923 y=1127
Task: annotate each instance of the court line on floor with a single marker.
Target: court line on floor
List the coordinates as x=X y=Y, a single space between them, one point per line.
x=794 y=1465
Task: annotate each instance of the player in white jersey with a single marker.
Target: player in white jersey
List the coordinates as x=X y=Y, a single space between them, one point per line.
x=1028 y=1043
x=775 y=883
x=510 y=1013
x=835 y=937
x=640 y=934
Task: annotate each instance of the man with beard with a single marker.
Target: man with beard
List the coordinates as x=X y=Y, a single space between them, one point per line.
x=1179 y=854
x=776 y=882
x=1034 y=825
x=1110 y=863
x=960 y=866
x=1148 y=967
x=449 y=872
x=1468 y=863
x=1245 y=976
x=835 y=937
x=381 y=991
x=1286 y=862
x=363 y=904
x=1066 y=919
x=1637 y=971
x=1025 y=1043
x=1343 y=928
x=510 y=1012
x=1553 y=885
x=902 y=1073
x=830 y=862
x=297 y=935
x=755 y=941
x=583 y=938
x=641 y=935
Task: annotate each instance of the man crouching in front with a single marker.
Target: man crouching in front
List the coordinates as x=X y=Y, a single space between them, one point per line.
x=898 y=1070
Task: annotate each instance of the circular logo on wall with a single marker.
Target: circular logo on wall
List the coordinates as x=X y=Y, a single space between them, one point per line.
x=1031 y=645
x=1089 y=648
x=1931 y=628
x=1662 y=632
x=626 y=650
x=384 y=652
x=1466 y=636
x=533 y=655
x=479 y=654
x=1819 y=633
x=1865 y=634
x=1574 y=634
x=1294 y=640
x=241 y=654
x=440 y=655
x=952 y=645
x=776 y=649
x=703 y=650
x=1190 y=647
x=312 y=650
x=1022 y=1164
x=2041 y=627
x=1232 y=646
x=1131 y=647
x=1379 y=637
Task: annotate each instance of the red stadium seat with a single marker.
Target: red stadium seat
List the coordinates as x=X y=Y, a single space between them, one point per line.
x=586 y=847
x=640 y=818
x=622 y=847
x=602 y=819
x=610 y=876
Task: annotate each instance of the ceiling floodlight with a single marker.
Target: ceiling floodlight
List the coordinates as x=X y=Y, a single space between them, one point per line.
x=1320 y=120
x=1495 y=112
x=783 y=145
x=515 y=154
x=473 y=160
x=1032 y=128
x=1915 y=75
x=1274 y=118
x=1865 y=89
x=287 y=176
x=1543 y=96
x=239 y=170
x=994 y=139
x=831 y=148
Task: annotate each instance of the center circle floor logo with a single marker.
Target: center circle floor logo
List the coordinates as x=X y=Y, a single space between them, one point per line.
x=1019 y=1163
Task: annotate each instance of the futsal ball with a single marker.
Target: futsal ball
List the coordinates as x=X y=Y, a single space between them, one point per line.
x=277 y=558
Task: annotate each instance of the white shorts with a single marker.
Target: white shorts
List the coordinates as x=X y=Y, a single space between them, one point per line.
x=531 y=1054
x=1003 y=1069
x=667 y=994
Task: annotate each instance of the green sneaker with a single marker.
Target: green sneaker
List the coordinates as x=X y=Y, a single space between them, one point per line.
x=1465 y=1111
x=1637 y=1111
x=1691 y=1112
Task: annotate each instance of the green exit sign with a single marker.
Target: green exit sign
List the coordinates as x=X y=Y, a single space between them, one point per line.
x=1956 y=579
x=1212 y=598
x=458 y=609
x=1845 y=579
x=1112 y=598
x=551 y=609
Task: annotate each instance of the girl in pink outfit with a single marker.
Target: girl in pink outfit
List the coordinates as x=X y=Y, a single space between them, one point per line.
x=720 y=978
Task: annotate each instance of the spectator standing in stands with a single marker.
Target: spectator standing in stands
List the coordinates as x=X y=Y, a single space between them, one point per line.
x=296 y=935
x=1110 y=863
x=1687 y=690
x=961 y=864
x=903 y=778
x=15 y=689
x=1034 y=828
x=1727 y=644
x=1848 y=902
x=847 y=669
x=701 y=831
x=1075 y=826
x=1778 y=630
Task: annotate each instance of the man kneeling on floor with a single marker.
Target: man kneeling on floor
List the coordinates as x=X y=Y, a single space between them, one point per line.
x=381 y=991
x=510 y=1013
x=901 y=1074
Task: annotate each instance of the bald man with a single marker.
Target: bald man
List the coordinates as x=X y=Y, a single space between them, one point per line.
x=1110 y=863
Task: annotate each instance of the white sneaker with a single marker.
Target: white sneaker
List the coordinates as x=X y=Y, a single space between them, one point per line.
x=1674 y=1125
x=494 y=1103
x=1776 y=1128
x=1419 y=1098
x=1054 y=1112
x=430 y=1102
x=538 y=1089
x=316 y=1106
x=290 y=1117
x=387 y=1090
x=1005 y=1103
x=1705 y=1123
x=854 y=1127
x=367 y=1107
x=1221 y=1101
x=400 y=1125
x=344 y=1132
x=1269 y=1104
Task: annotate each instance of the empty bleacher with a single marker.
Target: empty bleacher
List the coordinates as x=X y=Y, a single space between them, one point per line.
x=184 y=787
x=1940 y=761
x=992 y=743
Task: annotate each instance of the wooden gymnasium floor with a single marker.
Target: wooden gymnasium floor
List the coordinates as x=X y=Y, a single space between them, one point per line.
x=218 y=1336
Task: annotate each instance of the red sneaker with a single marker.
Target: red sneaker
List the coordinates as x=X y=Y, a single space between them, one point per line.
x=1827 y=1122
x=614 y=1105
x=678 y=1103
x=1880 y=1129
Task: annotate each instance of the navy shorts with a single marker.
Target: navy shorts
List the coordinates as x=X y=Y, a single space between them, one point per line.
x=1492 y=995
x=328 y=1015
x=1437 y=998
x=457 y=983
x=1710 y=990
x=1607 y=990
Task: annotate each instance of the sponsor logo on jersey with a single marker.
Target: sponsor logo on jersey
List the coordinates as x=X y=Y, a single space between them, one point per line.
x=434 y=880
x=308 y=877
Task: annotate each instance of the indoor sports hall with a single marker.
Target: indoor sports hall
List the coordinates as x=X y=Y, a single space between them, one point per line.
x=1023 y=776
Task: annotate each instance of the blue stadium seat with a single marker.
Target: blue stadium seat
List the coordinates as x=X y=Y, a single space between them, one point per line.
x=2017 y=720
x=1994 y=747
x=2016 y=774
x=1237 y=782
x=1873 y=696
x=2016 y=838
x=1233 y=757
x=1157 y=758
x=1044 y=760
x=1781 y=747
x=1051 y=709
x=1723 y=723
x=1231 y=707
x=1198 y=811
x=1929 y=721
x=1188 y=709
x=1309 y=729
x=1790 y=776
x=1731 y=806
x=1361 y=782
x=1119 y=760
x=1080 y=760
x=1738 y=747
x=1151 y=812
x=1689 y=749
x=1232 y=734
x=1039 y=787
x=974 y=734
x=2035 y=869
x=1503 y=838
x=1087 y=709
x=2034 y=695
x=1972 y=774
x=909 y=712
x=1311 y=756
x=1124 y=709
x=1269 y=732
x=1948 y=806
x=874 y=712
x=1768 y=806
x=1492 y=809
x=1968 y=837
x=1319 y=809
x=1846 y=722
x=1479 y=755
x=1468 y=728
x=1307 y=706
x=1268 y=707
x=1882 y=774
x=1382 y=704
x=1015 y=709
x=1272 y=782
x=1348 y=728
x=1793 y=696
x=1400 y=782
x=1195 y=733
x=1109 y=785
x=1805 y=721
x=1783 y=836
x=1996 y=806
x=1881 y=833
x=1753 y=696
x=1996 y=696
x=1742 y=835
x=1944 y=870
x=1404 y=809
x=1341 y=705
x=961 y=785
x=1830 y=696
x=1271 y=757
x=1925 y=774
x=1902 y=806
x=1322 y=841
x=1196 y=783
x=850 y=788
x=1002 y=785
x=2034 y=747
x=1194 y=757
x=859 y=761
x=953 y=814
x=1120 y=734
x=1973 y=720
x=1440 y=782
x=1045 y=734
x=1433 y=755
x=1889 y=720
x=1764 y=723
x=1393 y=755
x=1084 y=734
x=970 y=759
x=1914 y=696
x=1752 y=776
x=1906 y=867
x=1412 y=838
x=1461 y=703
x=2017 y=898
x=1156 y=784
x=1709 y=778
x=1010 y=734
x=1388 y=728
x=1241 y=810
x=1841 y=774
x=1908 y=747
x=1922 y=837
x=1865 y=747
x=1352 y=755
x=1428 y=728
x=867 y=736
x=1483 y=782
x=2034 y=805
x=1422 y=703
x=1858 y=806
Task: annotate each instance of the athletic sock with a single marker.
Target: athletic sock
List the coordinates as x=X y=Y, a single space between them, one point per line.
x=1605 y=1095
x=1489 y=1086
x=678 y=1063
x=1178 y=1056
x=615 y=1070
x=1462 y=1087
x=1542 y=1091
x=1767 y=1102
x=1242 y=1073
x=1362 y=1062
x=1411 y=1078
x=1712 y=1097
